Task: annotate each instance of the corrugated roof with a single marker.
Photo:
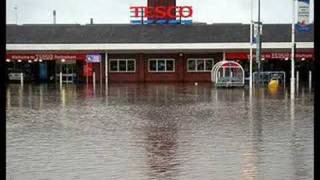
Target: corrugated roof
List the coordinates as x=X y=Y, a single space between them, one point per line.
x=127 y=33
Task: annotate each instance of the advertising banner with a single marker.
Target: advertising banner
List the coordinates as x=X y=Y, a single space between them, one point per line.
x=26 y=57
x=93 y=58
x=87 y=70
x=244 y=56
x=303 y=16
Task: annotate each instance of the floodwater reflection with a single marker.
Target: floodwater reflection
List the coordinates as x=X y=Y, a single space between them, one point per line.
x=158 y=131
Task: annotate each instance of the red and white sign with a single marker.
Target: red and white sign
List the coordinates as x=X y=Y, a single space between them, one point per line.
x=26 y=57
x=161 y=12
x=270 y=56
x=88 y=70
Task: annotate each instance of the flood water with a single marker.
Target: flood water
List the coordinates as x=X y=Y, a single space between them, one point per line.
x=158 y=131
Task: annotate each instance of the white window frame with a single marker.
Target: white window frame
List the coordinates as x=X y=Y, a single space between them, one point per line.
x=118 y=67
x=165 y=65
x=196 y=61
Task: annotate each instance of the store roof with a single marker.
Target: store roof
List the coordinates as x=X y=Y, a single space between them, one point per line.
x=127 y=33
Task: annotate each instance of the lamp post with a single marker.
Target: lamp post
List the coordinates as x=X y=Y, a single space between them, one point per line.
x=258 y=52
x=292 y=80
x=251 y=42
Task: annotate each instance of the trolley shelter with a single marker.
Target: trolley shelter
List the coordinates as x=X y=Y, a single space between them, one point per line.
x=228 y=74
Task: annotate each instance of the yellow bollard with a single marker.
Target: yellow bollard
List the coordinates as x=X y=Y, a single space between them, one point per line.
x=273 y=83
x=273 y=87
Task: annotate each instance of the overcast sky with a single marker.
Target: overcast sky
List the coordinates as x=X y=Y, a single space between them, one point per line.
x=117 y=11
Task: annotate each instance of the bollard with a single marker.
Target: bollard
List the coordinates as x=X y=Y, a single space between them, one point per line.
x=297 y=79
x=60 y=79
x=310 y=80
x=21 y=79
x=94 y=77
x=94 y=80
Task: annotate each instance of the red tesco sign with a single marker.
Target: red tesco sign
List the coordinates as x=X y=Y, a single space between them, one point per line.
x=162 y=12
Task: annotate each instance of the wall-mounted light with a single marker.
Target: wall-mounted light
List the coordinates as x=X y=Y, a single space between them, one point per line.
x=262 y=59
x=286 y=59
x=29 y=61
x=19 y=60
x=180 y=54
x=8 y=60
x=63 y=60
x=303 y=59
x=40 y=60
x=36 y=60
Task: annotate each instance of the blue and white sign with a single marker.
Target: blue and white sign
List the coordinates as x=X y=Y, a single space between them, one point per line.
x=303 y=16
x=255 y=32
x=93 y=58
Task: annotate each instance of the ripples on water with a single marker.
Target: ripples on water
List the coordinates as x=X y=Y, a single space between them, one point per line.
x=158 y=131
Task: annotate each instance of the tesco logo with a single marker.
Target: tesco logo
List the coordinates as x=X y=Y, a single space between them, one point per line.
x=161 y=12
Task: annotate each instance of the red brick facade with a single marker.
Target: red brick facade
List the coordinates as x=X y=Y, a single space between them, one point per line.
x=180 y=74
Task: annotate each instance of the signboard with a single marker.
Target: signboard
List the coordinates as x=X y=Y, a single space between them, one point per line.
x=26 y=57
x=255 y=32
x=161 y=15
x=303 y=16
x=87 y=70
x=271 y=55
x=93 y=58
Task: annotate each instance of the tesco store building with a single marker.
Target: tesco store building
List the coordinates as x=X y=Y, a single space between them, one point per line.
x=179 y=51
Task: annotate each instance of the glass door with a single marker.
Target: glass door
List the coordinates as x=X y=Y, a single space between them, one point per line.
x=68 y=70
x=68 y=74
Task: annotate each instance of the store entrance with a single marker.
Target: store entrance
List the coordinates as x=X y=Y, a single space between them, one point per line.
x=68 y=70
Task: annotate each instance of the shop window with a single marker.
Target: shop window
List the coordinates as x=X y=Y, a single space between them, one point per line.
x=131 y=65
x=122 y=65
x=200 y=65
x=161 y=65
x=113 y=65
x=192 y=65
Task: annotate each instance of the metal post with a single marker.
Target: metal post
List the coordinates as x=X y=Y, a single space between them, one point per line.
x=224 y=56
x=297 y=79
x=21 y=79
x=106 y=67
x=258 y=56
x=292 y=82
x=87 y=72
x=54 y=17
x=100 y=77
x=94 y=80
x=60 y=79
x=310 y=80
x=251 y=50
x=251 y=58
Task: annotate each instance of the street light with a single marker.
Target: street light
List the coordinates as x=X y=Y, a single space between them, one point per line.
x=258 y=56
x=292 y=80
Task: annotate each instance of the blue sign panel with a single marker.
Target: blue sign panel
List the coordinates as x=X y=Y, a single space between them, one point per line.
x=93 y=58
x=303 y=16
